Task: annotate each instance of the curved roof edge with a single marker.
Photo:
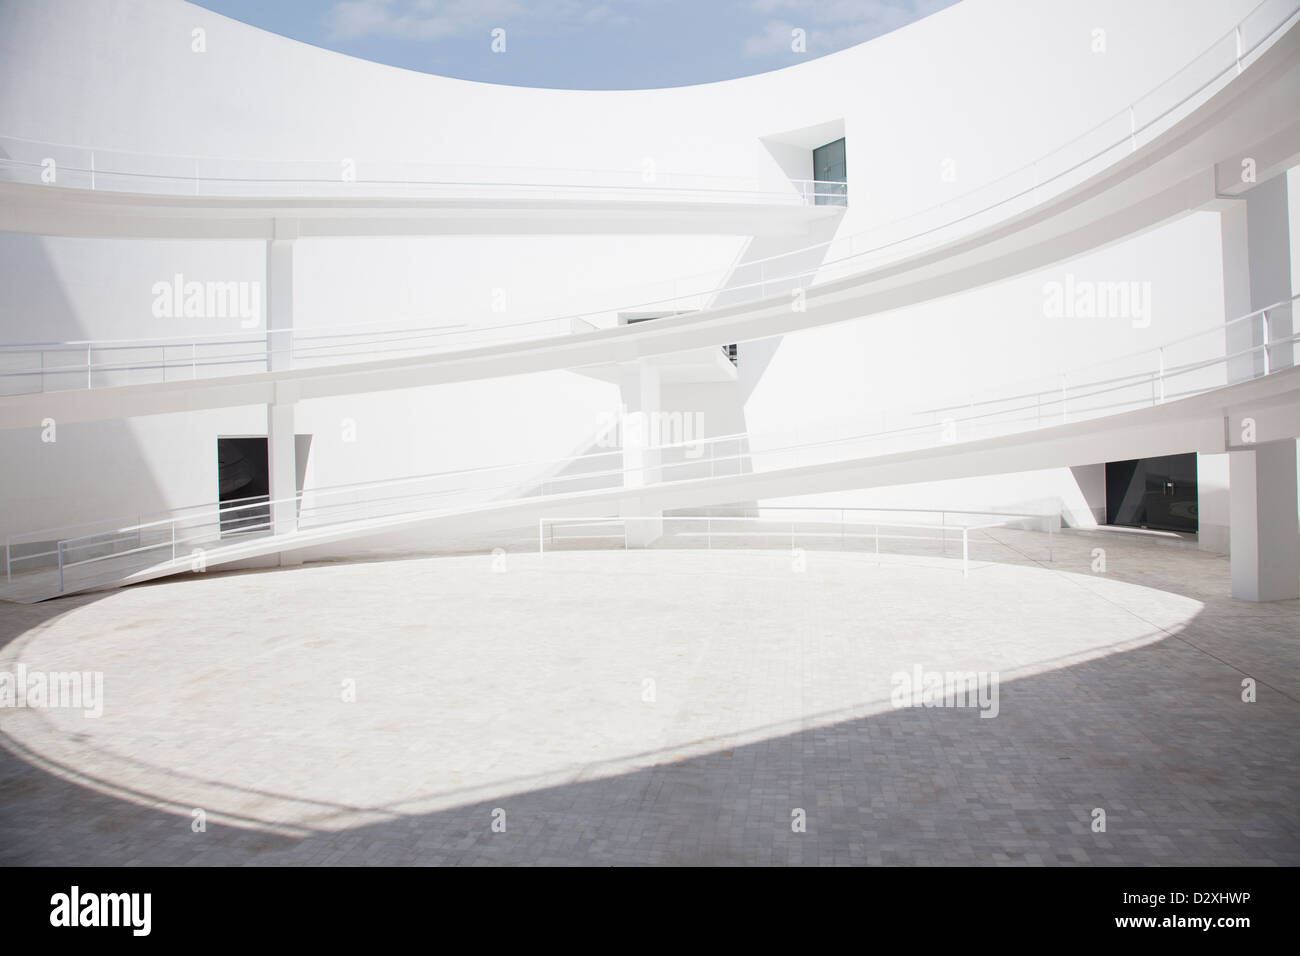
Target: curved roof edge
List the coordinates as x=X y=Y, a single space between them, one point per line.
x=926 y=21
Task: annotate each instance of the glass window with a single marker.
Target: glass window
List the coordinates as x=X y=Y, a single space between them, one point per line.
x=1153 y=493
x=830 y=170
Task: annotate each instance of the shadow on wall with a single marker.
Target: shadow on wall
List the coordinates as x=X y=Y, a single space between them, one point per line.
x=44 y=475
x=600 y=455
x=754 y=357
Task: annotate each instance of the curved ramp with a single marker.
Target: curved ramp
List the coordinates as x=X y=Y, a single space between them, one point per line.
x=1202 y=423
x=1191 y=165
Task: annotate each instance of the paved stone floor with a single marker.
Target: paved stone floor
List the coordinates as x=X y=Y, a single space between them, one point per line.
x=665 y=707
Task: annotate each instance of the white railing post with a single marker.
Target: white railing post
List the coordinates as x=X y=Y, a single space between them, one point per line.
x=59 y=548
x=88 y=348
x=92 y=176
x=1238 y=34
x=1263 y=325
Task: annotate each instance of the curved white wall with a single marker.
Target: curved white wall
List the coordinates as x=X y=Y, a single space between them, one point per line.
x=987 y=84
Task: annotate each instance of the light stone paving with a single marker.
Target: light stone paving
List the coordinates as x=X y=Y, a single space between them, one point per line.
x=664 y=707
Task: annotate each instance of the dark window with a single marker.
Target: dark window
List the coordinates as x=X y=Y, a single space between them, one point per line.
x=1155 y=493
x=830 y=169
x=243 y=485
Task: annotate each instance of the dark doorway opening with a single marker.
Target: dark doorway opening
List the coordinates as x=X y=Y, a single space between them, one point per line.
x=1157 y=493
x=243 y=485
x=831 y=174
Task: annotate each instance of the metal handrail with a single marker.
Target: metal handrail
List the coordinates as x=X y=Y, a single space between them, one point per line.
x=709 y=520
x=1216 y=329
x=1122 y=383
x=741 y=455
x=542 y=178
x=1242 y=53
x=263 y=502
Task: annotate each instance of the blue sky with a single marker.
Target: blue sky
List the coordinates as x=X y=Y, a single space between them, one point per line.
x=581 y=44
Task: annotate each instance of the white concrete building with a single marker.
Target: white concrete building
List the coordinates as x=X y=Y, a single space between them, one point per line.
x=886 y=460
x=425 y=294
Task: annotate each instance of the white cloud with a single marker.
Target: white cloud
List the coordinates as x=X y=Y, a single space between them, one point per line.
x=832 y=24
x=438 y=19
x=775 y=38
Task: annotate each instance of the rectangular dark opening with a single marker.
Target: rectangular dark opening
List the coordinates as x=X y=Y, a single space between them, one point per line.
x=1158 y=493
x=243 y=485
x=831 y=171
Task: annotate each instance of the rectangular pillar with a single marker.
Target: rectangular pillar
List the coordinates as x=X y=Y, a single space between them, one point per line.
x=281 y=444
x=282 y=471
x=1268 y=224
x=641 y=393
x=279 y=296
x=1236 y=294
x=1255 y=232
x=1265 y=534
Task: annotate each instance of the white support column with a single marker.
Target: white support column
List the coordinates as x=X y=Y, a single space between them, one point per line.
x=279 y=295
x=1265 y=535
x=281 y=444
x=1269 y=240
x=1236 y=292
x=641 y=393
x=1255 y=232
x=282 y=469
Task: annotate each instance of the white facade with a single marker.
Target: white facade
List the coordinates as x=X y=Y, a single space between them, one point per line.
x=929 y=114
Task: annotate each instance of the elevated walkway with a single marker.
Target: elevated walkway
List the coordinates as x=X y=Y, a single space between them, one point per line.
x=1210 y=421
x=1124 y=178
x=82 y=213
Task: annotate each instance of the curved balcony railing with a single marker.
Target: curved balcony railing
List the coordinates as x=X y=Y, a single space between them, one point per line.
x=857 y=530
x=41 y=163
x=34 y=367
x=79 y=556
